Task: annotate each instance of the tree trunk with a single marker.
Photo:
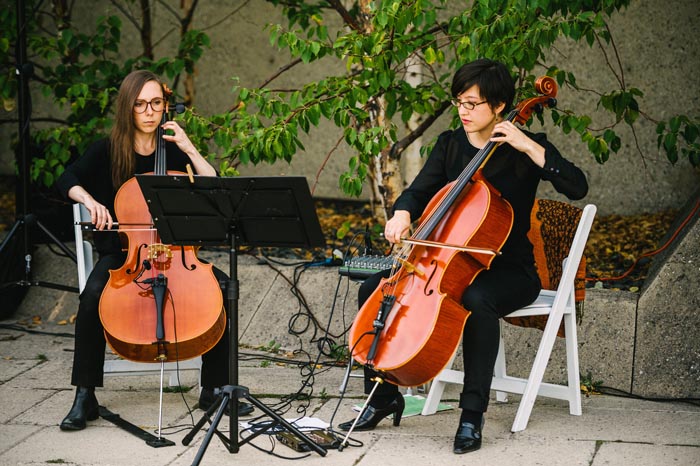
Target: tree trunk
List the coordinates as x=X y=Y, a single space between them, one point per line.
x=385 y=170
x=146 y=29
x=188 y=7
x=411 y=160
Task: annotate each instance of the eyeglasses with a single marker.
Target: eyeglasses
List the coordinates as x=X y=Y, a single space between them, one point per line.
x=156 y=104
x=466 y=105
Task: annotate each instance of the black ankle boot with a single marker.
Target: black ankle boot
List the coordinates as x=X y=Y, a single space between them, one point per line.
x=85 y=408
x=371 y=417
x=468 y=437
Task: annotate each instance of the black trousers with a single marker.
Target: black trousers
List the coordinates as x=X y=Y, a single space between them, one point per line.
x=89 y=356
x=493 y=294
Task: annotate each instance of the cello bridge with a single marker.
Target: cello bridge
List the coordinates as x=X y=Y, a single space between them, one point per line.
x=157 y=249
x=410 y=268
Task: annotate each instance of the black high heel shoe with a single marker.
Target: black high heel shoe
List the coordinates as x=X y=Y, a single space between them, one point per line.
x=85 y=408
x=371 y=417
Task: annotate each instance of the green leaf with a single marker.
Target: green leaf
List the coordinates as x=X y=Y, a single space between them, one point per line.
x=430 y=56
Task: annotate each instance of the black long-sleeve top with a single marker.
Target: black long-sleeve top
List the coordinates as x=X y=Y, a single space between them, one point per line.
x=93 y=171
x=511 y=172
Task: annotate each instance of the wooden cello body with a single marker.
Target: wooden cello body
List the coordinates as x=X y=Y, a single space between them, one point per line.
x=411 y=324
x=425 y=324
x=163 y=303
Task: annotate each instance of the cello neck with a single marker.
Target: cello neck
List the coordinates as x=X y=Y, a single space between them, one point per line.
x=160 y=163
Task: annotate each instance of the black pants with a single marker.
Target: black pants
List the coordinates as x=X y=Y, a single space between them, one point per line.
x=494 y=293
x=89 y=356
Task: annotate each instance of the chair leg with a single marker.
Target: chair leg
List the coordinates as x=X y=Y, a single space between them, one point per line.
x=544 y=351
x=499 y=369
x=437 y=386
x=572 y=367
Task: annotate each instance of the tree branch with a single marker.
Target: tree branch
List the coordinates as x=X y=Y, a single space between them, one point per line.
x=224 y=18
x=345 y=14
x=401 y=145
x=283 y=69
x=126 y=14
x=325 y=161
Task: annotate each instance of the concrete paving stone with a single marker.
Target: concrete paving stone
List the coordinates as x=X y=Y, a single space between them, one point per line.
x=16 y=402
x=52 y=343
x=631 y=424
x=646 y=455
x=11 y=368
x=97 y=445
x=437 y=451
x=52 y=374
x=11 y=435
x=138 y=407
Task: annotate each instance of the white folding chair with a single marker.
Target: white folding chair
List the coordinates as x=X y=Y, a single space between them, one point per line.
x=114 y=367
x=556 y=305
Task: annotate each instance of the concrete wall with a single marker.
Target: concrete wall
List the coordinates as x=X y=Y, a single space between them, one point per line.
x=668 y=319
x=656 y=42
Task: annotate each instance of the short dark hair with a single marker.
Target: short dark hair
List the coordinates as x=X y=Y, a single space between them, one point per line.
x=495 y=83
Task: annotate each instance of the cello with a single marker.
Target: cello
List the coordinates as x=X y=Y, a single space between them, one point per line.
x=411 y=324
x=163 y=303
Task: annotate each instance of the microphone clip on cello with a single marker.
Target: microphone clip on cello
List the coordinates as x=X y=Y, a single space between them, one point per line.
x=379 y=324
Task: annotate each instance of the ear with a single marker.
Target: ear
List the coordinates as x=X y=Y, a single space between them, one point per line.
x=499 y=108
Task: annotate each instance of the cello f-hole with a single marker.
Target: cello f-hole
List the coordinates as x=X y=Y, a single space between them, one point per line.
x=430 y=278
x=138 y=260
x=184 y=263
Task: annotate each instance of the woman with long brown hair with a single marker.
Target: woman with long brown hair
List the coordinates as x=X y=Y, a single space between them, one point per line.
x=93 y=180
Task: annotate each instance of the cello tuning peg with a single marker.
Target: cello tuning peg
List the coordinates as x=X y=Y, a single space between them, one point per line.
x=180 y=107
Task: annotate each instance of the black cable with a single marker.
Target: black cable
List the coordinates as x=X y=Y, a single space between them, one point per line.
x=19 y=328
x=351 y=442
x=611 y=391
x=309 y=369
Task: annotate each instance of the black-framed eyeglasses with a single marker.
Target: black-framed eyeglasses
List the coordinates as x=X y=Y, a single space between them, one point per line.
x=466 y=105
x=156 y=104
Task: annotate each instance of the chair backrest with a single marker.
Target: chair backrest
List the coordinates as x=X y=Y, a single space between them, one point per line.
x=558 y=231
x=553 y=226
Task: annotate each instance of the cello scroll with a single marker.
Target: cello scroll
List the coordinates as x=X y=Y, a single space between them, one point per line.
x=545 y=85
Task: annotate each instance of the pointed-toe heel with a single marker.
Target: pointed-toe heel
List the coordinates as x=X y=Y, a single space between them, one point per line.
x=398 y=414
x=85 y=408
x=371 y=416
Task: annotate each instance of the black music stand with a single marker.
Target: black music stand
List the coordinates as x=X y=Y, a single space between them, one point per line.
x=250 y=211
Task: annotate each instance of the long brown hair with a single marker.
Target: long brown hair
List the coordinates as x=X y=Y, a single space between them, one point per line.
x=122 y=137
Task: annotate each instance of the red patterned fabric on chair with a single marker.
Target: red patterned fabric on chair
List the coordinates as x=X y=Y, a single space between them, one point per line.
x=552 y=228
